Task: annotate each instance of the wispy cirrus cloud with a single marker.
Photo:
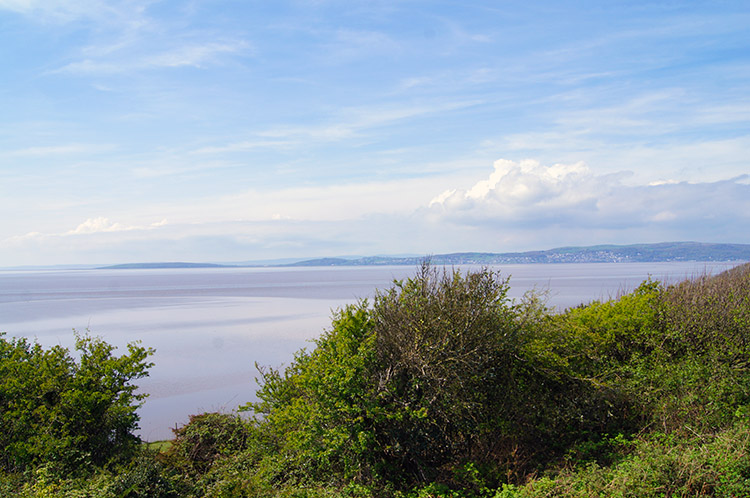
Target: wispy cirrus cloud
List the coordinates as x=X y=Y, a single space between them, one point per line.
x=57 y=150
x=56 y=10
x=346 y=123
x=124 y=36
x=347 y=43
x=196 y=55
x=242 y=146
x=114 y=17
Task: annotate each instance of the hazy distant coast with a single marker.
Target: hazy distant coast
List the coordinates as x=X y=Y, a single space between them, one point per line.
x=636 y=253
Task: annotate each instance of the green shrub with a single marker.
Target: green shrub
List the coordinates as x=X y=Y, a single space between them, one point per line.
x=205 y=438
x=434 y=377
x=65 y=413
x=660 y=465
x=317 y=415
x=709 y=314
x=696 y=374
x=144 y=477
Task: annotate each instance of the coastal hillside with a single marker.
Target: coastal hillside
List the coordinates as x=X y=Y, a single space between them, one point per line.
x=637 y=253
x=440 y=387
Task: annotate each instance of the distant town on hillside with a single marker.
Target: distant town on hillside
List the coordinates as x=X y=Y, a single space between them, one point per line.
x=636 y=253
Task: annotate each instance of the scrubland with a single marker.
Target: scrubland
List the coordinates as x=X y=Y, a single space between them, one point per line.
x=440 y=386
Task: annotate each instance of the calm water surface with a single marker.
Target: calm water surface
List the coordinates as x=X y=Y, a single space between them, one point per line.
x=210 y=326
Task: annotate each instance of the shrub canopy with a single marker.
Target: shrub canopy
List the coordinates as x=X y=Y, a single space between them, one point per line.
x=437 y=372
x=65 y=412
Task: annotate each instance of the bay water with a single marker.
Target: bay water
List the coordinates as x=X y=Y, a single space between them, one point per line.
x=210 y=327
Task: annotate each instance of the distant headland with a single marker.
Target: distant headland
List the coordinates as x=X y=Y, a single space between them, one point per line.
x=635 y=253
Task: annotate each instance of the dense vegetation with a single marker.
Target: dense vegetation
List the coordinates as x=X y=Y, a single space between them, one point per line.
x=440 y=387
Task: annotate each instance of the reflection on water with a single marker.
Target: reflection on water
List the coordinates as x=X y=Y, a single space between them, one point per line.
x=210 y=326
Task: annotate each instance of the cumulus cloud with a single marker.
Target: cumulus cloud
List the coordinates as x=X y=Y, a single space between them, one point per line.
x=531 y=195
x=519 y=191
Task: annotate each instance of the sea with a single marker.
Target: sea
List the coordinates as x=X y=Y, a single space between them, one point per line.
x=211 y=327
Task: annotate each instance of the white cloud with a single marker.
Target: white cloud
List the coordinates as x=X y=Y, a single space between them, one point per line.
x=90 y=226
x=20 y=240
x=516 y=189
x=94 y=225
x=101 y=224
x=698 y=160
x=528 y=195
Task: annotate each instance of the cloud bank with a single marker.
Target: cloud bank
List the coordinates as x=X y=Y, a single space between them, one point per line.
x=527 y=195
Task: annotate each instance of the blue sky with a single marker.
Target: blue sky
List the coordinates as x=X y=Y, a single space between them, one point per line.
x=245 y=130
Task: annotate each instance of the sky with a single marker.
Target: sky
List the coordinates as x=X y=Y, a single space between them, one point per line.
x=227 y=131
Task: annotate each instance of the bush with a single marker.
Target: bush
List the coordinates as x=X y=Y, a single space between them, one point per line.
x=434 y=377
x=659 y=465
x=207 y=437
x=709 y=314
x=460 y=384
x=65 y=413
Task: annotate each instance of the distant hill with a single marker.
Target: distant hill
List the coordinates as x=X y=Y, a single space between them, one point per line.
x=152 y=266
x=637 y=253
